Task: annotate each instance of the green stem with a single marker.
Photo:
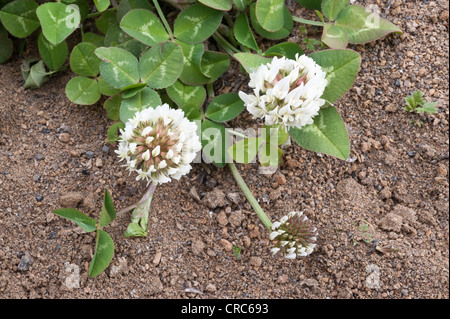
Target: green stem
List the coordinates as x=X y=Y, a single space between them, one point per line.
x=96 y=14
x=236 y=133
x=224 y=43
x=163 y=19
x=210 y=90
x=306 y=21
x=248 y=194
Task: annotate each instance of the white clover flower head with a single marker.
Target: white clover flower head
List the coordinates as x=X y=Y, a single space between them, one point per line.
x=293 y=236
x=159 y=144
x=286 y=92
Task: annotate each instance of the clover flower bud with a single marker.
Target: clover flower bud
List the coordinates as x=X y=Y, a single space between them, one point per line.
x=293 y=236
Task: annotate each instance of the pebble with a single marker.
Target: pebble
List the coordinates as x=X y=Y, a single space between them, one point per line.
x=72 y=199
x=197 y=247
x=411 y=153
x=64 y=137
x=210 y=288
x=39 y=198
x=39 y=156
x=73 y=280
x=222 y=218
x=25 y=262
x=157 y=258
x=105 y=149
x=391 y=222
x=89 y=154
x=215 y=198
x=255 y=261
x=226 y=244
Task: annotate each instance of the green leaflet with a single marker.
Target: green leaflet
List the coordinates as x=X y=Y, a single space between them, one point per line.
x=104 y=253
x=83 y=60
x=19 y=17
x=119 y=67
x=161 y=65
x=243 y=33
x=83 y=90
x=53 y=55
x=88 y=224
x=222 y=5
x=342 y=67
x=197 y=23
x=225 y=107
x=58 y=20
x=326 y=135
x=142 y=100
x=144 y=26
x=270 y=14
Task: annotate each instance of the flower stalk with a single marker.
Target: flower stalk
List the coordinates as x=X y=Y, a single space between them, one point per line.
x=248 y=194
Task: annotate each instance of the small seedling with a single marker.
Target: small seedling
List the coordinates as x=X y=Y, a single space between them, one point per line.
x=104 y=246
x=363 y=234
x=416 y=103
x=237 y=251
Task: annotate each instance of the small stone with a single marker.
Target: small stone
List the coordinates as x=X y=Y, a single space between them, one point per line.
x=25 y=262
x=226 y=244
x=215 y=198
x=365 y=147
x=234 y=197
x=157 y=258
x=282 y=279
x=39 y=198
x=391 y=222
x=64 y=137
x=280 y=179
x=197 y=247
x=411 y=153
x=422 y=72
x=391 y=108
x=72 y=199
x=105 y=149
x=155 y=285
x=255 y=261
x=89 y=154
x=441 y=170
x=386 y=193
x=276 y=194
x=73 y=280
x=85 y=172
x=236 y=218
x=410 y=54
x=120 y=268
x=98 y=162
x=39 y=157
x=222 y=218
x=36 y=177
x=210 y=288
x=74 y=153
x=444 y=15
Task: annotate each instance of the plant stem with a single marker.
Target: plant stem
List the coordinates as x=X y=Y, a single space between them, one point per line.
x=236 y=133
x=210 y=89
x=96 y=14
x=248 y=194
x=306 y=21
x=150 y=191
x=227 y=46
x=163 y=18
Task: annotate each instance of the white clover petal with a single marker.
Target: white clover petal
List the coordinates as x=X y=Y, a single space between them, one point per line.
x=275 y=225
x=273 y=235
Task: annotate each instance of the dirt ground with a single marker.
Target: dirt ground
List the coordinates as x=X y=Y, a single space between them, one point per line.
x=382 y=215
